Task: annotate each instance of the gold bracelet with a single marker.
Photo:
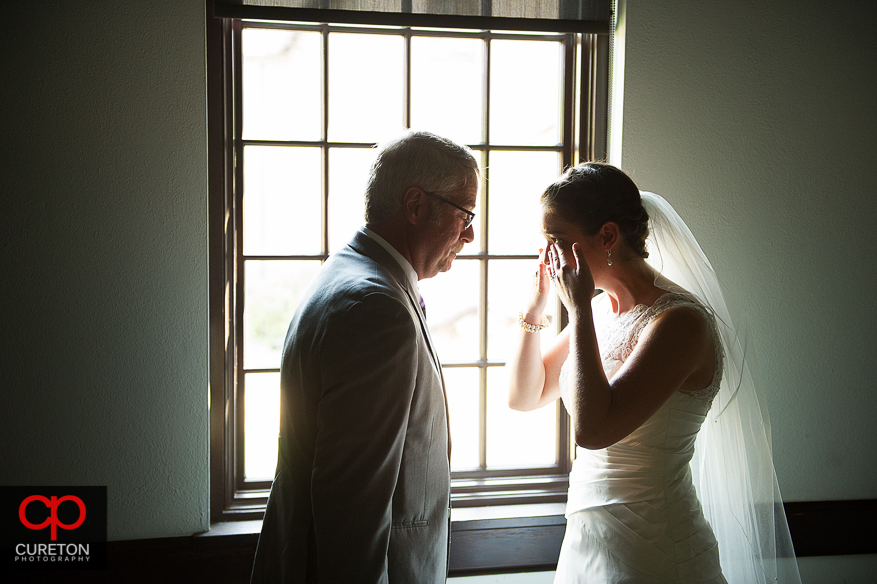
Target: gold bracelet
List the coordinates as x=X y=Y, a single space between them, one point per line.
x=532 y=328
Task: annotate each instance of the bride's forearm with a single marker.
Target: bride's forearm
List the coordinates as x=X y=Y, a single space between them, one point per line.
x=526 y=371
x=592 y=395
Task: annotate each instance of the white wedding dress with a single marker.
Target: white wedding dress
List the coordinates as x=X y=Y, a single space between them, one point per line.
x=633 y=514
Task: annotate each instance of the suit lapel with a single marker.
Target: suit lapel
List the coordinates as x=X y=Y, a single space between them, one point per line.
x=423 y=327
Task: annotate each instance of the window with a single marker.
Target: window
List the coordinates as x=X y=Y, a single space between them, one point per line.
x=302 y=107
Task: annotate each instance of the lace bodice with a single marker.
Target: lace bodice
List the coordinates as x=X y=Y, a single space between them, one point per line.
x=617 y=336
x=652 y=462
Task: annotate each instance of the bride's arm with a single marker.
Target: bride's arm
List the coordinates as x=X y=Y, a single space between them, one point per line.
x=673 y=351
x=533 y=377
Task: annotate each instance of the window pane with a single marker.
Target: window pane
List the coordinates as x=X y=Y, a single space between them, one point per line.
x=282 y=193
x=446 y=87
x=462 y=386
x=517 y=439
x=261 y=424
x=281 y=84
x=452 y=311
x=526 y=80
x=348 y=174
x=517 y=180
x=272 y=291
x=365 y=87
x=510 y=283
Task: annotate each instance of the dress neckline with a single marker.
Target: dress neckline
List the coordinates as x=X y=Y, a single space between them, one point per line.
x=641 y=308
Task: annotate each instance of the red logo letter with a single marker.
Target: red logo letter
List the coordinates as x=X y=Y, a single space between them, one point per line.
x=52 y=505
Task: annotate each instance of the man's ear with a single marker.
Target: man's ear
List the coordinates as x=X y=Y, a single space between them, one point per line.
x=609 y=235
x=414 y=205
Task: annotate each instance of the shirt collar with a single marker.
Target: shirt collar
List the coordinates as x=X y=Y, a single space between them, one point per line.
x=406 y=265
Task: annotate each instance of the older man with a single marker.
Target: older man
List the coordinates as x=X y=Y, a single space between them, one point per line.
x=363 y=476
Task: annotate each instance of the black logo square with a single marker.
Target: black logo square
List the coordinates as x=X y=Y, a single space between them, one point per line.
x=52 y=528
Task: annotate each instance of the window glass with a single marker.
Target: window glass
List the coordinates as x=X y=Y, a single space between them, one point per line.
x=446 y=87
x=510 y=285
x=462 y=387
x=348 y=174
x=281 y=84
x=305 y=164
x=281 y=186
x=517 y=180
x=366 y=89
x=526 y=81
x=517 y=439
x=452 y=311
x=272 y=290
x=262 y=424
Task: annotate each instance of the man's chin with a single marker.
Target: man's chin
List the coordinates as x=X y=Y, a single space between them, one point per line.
x=449 y=261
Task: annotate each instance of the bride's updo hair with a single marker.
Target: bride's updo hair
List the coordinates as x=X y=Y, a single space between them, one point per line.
x=593 y=193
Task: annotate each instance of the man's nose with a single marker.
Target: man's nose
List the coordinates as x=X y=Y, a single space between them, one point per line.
x=468 y=235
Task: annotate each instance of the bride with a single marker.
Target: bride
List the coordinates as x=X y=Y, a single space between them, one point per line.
x=656 y=494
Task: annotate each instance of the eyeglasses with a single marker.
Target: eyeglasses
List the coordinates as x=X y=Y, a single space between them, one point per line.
x=456 y=206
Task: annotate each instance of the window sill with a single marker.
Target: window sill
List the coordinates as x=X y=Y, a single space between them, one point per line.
x=501 y=538
x=506 y=538
x=524 y=538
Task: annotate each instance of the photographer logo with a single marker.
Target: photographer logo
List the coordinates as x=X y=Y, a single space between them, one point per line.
x=54 y=527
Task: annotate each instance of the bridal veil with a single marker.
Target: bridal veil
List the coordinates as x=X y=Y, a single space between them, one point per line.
x=732 y=467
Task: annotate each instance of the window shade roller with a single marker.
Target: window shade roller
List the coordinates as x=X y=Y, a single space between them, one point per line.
x=585 y=16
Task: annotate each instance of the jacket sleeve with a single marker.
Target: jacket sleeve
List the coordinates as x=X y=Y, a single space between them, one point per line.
x=369 y=367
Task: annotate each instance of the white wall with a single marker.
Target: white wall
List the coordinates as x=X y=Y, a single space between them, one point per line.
x=104 y=249
x=756 y=120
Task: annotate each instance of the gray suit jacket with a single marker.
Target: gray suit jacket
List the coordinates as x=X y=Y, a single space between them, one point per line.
x=363 y=477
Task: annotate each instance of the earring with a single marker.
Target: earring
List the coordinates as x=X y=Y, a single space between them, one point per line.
x=609 y=257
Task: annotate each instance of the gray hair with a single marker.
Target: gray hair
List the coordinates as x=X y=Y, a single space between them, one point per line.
x=419 y=159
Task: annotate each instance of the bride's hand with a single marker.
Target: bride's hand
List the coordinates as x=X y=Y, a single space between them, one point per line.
x=574 y=283
x=541 y=288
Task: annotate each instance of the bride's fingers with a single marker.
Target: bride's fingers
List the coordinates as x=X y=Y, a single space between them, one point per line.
x=577 y=253
x=543 y=279
x=561 y=258
x=546 y=271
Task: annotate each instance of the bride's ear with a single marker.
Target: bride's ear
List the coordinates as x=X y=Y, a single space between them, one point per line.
x=609 y=235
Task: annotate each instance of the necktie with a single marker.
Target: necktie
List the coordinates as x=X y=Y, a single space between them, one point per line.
x=423 y=306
